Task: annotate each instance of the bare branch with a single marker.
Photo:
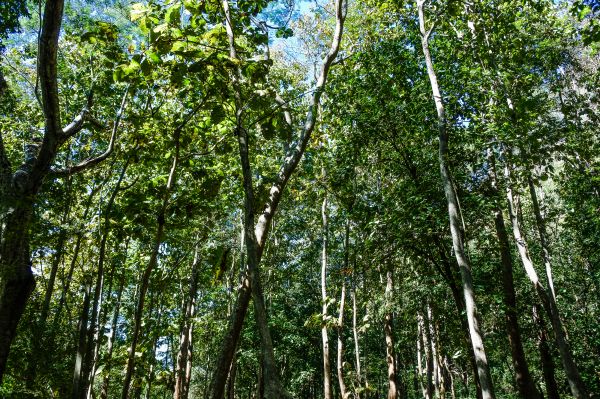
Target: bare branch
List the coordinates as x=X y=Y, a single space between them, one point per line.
x=75 y=126
x=296 y=151
x=88 y=163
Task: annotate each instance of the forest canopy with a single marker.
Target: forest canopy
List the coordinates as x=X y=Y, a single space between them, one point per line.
x=299 y=199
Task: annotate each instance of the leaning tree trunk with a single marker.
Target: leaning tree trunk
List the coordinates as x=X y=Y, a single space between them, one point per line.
x=525 y=384
x=541 y=226
x=257 y=235
x=449 y=274
x=576 y=384
x=456 y=229
x=548 y=370
x=327 y=390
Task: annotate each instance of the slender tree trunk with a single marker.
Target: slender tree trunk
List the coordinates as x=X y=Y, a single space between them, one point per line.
x=462 y=314
x=541 y=226
x=456 y=229
x=185 y=341
x=548 y=370
x=232 y=375
x=340 y=344
x=93 y=335
x=576 y=384
x=327 y=390
x=422 y=354
x=78 y=388
x=145 y=280
x=38 y=355
x=388 y=327
x=111 y=340
x=344 y=394
x=356 y=343
x=525 y=384
x=260 y=232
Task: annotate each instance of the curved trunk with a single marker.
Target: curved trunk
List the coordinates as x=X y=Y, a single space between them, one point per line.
x=576 y=384
x=456 y=230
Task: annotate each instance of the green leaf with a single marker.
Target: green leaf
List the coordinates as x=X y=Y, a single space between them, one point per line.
x=173 y=14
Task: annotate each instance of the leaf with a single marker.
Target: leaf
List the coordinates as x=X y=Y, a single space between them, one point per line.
x=173 y=14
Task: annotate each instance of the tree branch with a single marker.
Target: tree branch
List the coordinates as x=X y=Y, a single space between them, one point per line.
x=75 y=126
x=296 y=151
x=88 y=163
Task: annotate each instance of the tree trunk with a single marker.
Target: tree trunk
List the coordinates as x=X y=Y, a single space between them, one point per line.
x=456 y=229
x=548 y=370
x=462 y=314
x=388 y=327
x=422 y=353
x=93 y=335
x=184 y=354
x=344 y=394
x=340 y=344
x=261 y=230
x=578 y=389
x=111 y=341
x=38 y=355
x=525 y=384
x=356 y=343
x=541 y=226
x=145 y=280
x=78 y=387
x=327 y=391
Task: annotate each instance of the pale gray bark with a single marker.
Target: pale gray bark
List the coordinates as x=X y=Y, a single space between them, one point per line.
x=578 y=389
x=257 y=234
x=456 y=228
x=327 y=390
x=344 y=394
x=355 y=337
x=525 y=383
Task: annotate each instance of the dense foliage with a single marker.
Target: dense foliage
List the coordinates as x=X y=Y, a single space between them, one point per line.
x=385 y=182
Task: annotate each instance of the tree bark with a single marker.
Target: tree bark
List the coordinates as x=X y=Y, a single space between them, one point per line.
x=388 y=327
x=111 y=341
x=184 y=355
x=145 y=279
x=576 y=384
x=327 y=391
x=548 y=370
x=541 y=226
x=355 y=337
x=78 y=387
x=344 y=394
x=261 y=230
x=525 y=384
x=93 y=335
x=456 y=229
